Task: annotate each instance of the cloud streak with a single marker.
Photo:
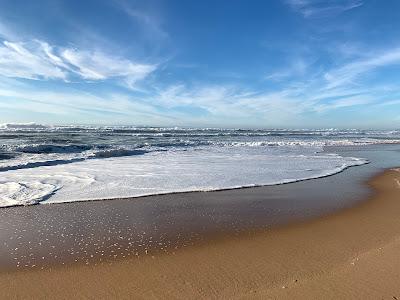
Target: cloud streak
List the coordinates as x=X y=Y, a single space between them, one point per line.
x=16 y=60
x=73 y=103
x=346 y=74
x=40 y=61
x=323 y=8
x=149 y=22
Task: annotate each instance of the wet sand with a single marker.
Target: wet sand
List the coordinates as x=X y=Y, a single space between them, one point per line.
x=352 y=254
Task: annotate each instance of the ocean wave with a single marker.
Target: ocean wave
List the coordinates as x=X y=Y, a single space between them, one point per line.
x=108 y=150
x=54 y=160
x=4 y=156
x=51 y=148
x=33 y=156
x=117 y=153
x=176 y=131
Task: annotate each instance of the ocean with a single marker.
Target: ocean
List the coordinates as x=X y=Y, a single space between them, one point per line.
x=50 y=164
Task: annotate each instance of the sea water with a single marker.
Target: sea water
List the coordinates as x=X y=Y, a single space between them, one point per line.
x=48 y=164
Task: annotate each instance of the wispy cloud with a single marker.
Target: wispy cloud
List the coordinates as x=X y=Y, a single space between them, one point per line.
x=323 y=8
x=348 y=73
x=41 y=61
x=17 y=60
x=343 y=103
x=214 y=99
x=341 y=88
x=232 y=103
x=111 y=106
x=295 y=69
x=149 y=21
x=99 y=66
x=6 y=32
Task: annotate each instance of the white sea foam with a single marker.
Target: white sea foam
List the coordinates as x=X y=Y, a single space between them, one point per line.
x=165 y=172
x=24 y=193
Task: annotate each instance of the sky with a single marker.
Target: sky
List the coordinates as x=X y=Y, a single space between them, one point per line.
x=209 y=63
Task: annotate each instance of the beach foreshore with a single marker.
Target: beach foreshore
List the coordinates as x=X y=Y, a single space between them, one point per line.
x=350 y=254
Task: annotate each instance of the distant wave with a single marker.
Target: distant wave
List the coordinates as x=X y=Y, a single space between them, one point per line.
x=109 y=151
x=16 y=126
x=201 y=132
x=355 y=142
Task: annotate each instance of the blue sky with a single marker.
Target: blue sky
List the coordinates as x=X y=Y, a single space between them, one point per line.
x=277 y=63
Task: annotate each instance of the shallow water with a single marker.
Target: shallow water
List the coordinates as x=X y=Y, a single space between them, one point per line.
x=48 y=164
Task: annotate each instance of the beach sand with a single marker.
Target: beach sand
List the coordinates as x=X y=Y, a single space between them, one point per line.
x=351 y=254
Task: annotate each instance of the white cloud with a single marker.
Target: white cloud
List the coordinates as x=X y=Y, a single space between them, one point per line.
x=323 y=8
x=39 y=60
x=16 y=60
x=112 y=107
x=345 y=75
x=215 y=99
x=231 y=104
x=98 y=66
x=342 y=86
x=343 y=103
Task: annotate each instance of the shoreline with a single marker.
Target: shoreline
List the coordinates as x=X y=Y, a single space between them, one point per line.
x=310 y=259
